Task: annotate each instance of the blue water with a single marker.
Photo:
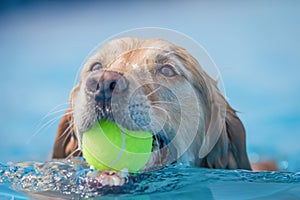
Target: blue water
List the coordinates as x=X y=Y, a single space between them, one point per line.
x=69 y=180
x=256 y=46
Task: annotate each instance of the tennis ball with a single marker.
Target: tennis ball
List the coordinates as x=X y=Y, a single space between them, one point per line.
x=107 y=147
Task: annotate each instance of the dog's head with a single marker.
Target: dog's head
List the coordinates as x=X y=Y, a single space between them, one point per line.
x=154 y=85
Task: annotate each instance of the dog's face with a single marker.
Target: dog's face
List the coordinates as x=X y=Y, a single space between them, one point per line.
x=153 y=85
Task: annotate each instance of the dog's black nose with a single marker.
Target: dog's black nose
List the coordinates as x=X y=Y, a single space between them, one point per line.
x=104 y=83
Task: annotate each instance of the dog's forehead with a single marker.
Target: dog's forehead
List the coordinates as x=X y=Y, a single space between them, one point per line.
x=130 y=52
x=121 y=46
x=125 y=54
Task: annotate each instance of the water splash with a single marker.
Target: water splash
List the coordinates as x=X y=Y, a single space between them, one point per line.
x=74 y=179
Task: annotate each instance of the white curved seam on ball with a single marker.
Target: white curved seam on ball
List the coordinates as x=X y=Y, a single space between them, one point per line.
x=122 y=150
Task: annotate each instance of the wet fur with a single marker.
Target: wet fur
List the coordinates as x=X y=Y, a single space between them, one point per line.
x=220 y=139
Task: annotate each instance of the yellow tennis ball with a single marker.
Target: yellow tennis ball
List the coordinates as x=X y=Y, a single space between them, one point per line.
x=107 y=147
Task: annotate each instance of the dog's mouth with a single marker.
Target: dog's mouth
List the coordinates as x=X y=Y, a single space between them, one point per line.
x=104 y=112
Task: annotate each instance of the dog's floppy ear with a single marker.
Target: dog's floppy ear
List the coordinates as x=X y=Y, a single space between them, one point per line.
x=235 y=131
x=230 y=150
x=66 y=142
x=224 y=145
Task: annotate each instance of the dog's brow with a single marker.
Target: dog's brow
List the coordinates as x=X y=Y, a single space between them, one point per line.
x=164 y=57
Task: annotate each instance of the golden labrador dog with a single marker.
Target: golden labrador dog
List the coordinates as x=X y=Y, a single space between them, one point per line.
x=154 y=85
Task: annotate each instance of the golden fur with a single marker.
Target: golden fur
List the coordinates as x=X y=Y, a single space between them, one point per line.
x=187 y=109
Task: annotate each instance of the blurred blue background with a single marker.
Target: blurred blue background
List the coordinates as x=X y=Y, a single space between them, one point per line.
x=255 y=44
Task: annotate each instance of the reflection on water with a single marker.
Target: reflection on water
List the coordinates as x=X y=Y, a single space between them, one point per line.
x=73 y=179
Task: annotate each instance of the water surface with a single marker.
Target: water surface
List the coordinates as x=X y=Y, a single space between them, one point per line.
x=72 y=179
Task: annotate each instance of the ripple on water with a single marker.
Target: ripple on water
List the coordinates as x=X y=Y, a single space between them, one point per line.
x=74 y=179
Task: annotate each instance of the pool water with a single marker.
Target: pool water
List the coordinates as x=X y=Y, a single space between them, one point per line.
x=72 y=179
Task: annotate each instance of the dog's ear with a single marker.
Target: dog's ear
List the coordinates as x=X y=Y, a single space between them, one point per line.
x=230 y=150
x=235 y=131
x=66 y=142
x=224 y=144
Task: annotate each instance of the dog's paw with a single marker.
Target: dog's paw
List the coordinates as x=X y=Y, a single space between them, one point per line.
x=108 y=178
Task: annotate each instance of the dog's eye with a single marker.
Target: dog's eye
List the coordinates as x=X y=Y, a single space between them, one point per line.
x=168 y=70
x=96 y=66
